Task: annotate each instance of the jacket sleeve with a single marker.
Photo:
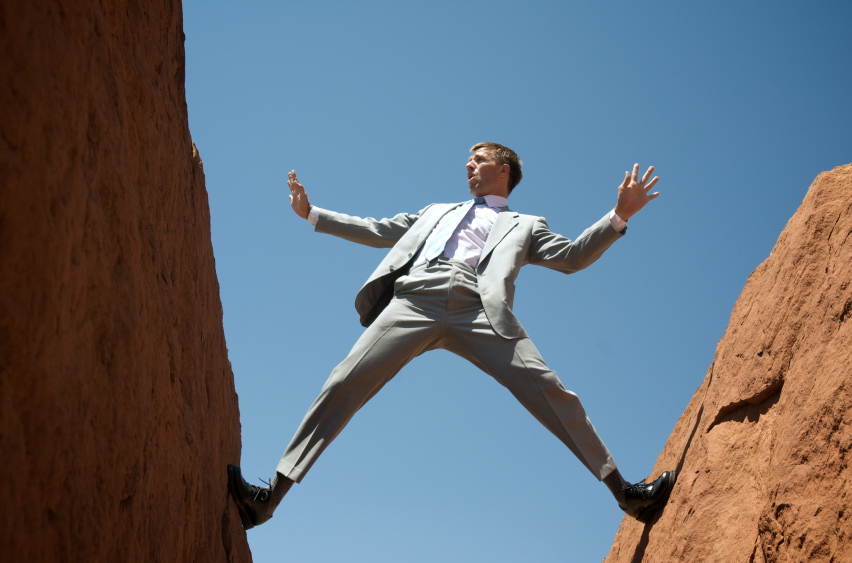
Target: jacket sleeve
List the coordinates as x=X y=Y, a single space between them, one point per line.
x=564 y=255
x=382 y=233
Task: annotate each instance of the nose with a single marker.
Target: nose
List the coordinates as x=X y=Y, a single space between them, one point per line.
x=470 y=166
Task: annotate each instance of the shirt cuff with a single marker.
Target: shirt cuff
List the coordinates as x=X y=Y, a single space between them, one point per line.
x=313 y=216
x=617 y=222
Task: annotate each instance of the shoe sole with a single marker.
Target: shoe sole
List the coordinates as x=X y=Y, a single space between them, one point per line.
x=647 y=514
x=234 y=474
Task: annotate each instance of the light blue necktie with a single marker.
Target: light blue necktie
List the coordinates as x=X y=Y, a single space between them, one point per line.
x=448 y=226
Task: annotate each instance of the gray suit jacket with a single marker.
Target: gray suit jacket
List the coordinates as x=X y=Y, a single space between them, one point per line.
x=515 y=240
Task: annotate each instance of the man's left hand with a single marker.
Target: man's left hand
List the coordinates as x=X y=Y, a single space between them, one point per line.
x=633 y=193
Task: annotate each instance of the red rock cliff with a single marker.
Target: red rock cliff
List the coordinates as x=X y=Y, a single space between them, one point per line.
x=764 y=445
x=117 y=406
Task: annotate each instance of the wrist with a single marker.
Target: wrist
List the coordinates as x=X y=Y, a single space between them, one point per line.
x=622 y=213
x=308 y=213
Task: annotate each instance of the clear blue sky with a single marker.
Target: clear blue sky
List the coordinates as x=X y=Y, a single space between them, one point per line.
x=739 y=105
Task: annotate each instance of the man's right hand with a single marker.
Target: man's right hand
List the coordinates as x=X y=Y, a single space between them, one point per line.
x=298 y=197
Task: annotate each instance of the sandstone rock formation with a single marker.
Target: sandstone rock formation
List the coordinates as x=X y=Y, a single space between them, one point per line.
x=117 y=406
x=764 y=445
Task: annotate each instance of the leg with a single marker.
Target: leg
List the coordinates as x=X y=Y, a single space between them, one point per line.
x=409 y=326
x=401 y=333
x=518 y=366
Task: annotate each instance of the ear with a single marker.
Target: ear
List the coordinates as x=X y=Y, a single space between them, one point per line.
x=504 y=170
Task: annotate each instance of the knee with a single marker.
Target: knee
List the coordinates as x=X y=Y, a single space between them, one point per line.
x=335 y=382
x=550 y=381
x=552 y=384
x=344 y=387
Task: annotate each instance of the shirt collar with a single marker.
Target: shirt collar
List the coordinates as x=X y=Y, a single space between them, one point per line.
x=495 y=201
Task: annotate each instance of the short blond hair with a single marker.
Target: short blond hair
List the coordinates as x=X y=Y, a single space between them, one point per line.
x=504 y=155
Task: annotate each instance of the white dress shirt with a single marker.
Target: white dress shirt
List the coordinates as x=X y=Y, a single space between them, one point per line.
x=468 y=240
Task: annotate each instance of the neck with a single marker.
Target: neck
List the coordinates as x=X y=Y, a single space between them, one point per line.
x=501 y=191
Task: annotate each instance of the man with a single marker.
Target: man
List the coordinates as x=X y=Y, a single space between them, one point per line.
x=448 y=282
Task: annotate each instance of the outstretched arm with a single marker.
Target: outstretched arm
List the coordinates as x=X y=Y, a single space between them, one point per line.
x=298 y=197
x=559 y=253
x=383 y=233
x=633 y=193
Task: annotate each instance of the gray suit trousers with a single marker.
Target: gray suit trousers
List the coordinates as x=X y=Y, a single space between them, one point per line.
x=437 y=305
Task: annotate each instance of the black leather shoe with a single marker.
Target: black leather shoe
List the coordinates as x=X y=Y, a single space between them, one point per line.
x=255 y=504
x=641 y=501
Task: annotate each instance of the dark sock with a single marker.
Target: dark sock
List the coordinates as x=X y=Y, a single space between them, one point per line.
x=615 y=482
x=279 y=485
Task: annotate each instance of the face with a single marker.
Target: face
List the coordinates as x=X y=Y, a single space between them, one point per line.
x=485 y=176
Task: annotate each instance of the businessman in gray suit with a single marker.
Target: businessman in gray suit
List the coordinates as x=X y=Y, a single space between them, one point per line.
x=448 y=283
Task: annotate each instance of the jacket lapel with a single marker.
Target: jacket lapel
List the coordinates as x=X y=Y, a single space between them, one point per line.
x=506 y=221
x=431 y=220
